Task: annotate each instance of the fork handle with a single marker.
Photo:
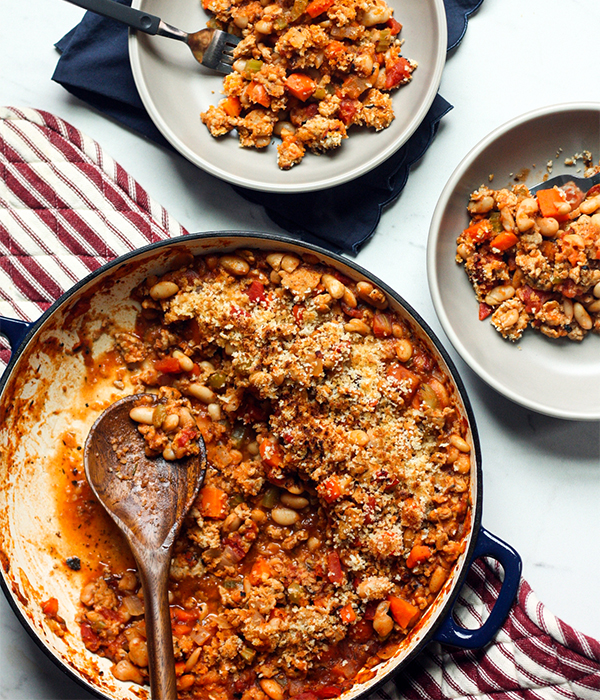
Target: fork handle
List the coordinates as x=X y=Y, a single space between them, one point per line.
x=122 y=13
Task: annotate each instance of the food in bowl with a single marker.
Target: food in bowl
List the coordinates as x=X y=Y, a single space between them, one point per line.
x=307 y=71
x=534 y=260
x=336 y=500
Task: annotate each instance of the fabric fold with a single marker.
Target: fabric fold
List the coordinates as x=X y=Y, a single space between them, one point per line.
x=94 y=66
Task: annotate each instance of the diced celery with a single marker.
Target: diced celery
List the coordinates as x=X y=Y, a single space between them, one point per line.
x=270 y=497
x=253 y=65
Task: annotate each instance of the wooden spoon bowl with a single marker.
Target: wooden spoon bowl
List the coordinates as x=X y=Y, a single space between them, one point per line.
x=148 y=499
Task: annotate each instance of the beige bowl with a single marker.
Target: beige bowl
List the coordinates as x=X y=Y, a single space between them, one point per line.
x=559 y=378
x=175 y=89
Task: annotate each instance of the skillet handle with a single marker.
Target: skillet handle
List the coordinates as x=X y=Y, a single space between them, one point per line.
x=453 y=634
x=14 y=330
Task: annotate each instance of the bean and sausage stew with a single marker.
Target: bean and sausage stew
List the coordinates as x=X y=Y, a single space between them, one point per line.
x=534 y=260
x=337 y=495
x=306 y=71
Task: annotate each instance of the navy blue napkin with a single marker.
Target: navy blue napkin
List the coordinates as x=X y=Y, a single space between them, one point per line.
x=94 y=66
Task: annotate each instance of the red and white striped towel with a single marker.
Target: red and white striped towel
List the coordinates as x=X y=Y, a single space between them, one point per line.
x=66 y=208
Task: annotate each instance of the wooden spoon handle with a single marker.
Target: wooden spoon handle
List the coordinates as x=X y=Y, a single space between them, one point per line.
x=154 y=571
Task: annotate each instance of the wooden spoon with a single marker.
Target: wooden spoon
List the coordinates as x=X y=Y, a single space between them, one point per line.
x=148 y=499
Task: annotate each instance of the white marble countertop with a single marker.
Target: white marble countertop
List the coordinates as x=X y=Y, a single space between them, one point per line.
x=541 y=475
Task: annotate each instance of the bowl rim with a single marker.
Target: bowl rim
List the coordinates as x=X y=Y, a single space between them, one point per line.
x=251 y=183
x=432 y=244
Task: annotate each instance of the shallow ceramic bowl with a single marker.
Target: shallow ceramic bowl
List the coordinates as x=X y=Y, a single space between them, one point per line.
x=559 y=378
x=175 y=89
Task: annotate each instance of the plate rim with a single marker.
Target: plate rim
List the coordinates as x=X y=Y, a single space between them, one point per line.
x=432 y=246
x=134 y=49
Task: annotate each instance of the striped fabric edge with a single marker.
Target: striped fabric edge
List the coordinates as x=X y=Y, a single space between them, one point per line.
x=535 y=655
x=46 y=244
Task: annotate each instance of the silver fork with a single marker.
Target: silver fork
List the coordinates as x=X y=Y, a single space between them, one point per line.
x=584 y=183
x=212 y=48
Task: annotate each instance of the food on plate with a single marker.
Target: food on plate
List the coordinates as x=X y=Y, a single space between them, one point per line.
x=336 y=500
x=306 y=71
x=534 y=259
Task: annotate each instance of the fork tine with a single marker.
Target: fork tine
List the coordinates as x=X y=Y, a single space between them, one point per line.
x=219 y=53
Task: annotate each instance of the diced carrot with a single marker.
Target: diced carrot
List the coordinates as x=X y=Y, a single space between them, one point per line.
x=419 y=553
x=213 y=502
x=179 y=629
x=260 y=572
x=397 y=73
x=484 y=310
x=402 y=611
x=479 y=231
x=330 y=489
x=503 y=241
x=394 y=25
x=334 y=568
x=50 y=607
x=168 y=365
x=549 y=202
x=334 y=49
x=300 y=85
x=179 y=668
x=256 y=291
x=382 y=325
x=317 y=7
x=257 y=93
x=183 y=615
x=271 y=452
x=232 y=106
x=348 y=109
x=347 y=614
x=407 y=381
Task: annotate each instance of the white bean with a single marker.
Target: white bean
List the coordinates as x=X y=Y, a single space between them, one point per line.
x=358 y=437
x=596 y=291
x=142 y=414
x=499 y=294
x=284 y=516
x=126 y=671
x=582 y=317
x=548 y=226
x=333 y=286
x=234 y=265
x=376 y=15
x=201 y=392
x=457 y=441
x=525 y=210
x=163 y=290
x=289 y=263
x=274 y=260
x=481 y=206
x=170 y=423
x=590 y=205
x=272 y=688
x=404 y=350
x=214 y=411
x=594 y=307
x=382 y=622
x=169 y=454
x=295 y=502
x=568 y=308
x=186 y=363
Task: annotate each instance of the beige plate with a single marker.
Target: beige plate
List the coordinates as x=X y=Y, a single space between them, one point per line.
x=175 y=89
x=556 y=377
